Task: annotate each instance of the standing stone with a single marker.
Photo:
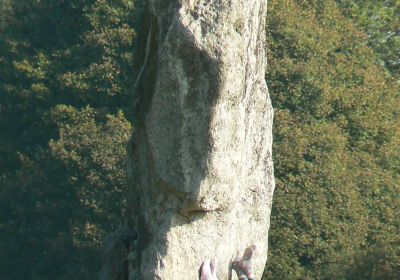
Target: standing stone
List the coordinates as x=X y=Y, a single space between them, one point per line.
x=200 y=165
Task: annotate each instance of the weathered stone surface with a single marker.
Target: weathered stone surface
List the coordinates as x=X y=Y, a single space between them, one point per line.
x=200 y=158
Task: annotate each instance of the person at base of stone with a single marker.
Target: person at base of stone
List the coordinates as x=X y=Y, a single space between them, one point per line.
x=241 y=265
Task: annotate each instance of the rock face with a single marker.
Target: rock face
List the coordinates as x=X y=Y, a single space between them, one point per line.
x=200 y=166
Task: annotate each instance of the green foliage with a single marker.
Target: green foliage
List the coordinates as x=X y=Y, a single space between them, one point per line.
x=91 y=148
x=336 y=148
x=64 y=200
x=65 y=81
x=381 y=21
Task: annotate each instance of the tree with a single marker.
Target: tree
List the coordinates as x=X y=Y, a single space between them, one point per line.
x=65 y=85
x=336 y=148
x=381 y=21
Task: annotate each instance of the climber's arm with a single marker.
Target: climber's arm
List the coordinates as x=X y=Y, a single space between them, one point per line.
x=243 y=265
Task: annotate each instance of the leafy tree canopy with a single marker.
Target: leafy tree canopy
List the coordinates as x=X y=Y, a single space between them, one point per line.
x=336 y=149
x=65 y=81
x=381 y=21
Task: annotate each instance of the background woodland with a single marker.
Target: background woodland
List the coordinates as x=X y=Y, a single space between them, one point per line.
x=66 y=84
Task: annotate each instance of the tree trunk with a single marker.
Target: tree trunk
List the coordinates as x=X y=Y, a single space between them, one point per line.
x=200 y=165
